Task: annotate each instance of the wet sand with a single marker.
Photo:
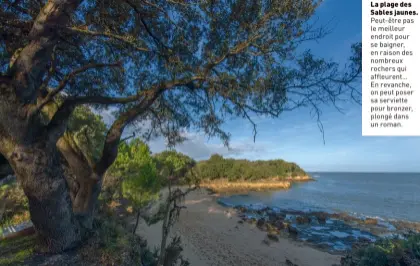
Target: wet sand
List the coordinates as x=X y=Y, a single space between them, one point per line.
x=211 y=235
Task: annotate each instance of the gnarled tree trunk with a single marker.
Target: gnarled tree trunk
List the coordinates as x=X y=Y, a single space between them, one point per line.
x=30 y=145
x=60 y=189
x=41 y=176
x=61 y=184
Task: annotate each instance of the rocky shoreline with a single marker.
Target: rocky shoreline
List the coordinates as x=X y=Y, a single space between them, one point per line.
x=335 y=233
x=232 y=187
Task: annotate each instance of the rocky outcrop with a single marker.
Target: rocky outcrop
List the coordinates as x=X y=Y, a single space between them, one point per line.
x=333 y=232
x=303 y=219
x=303 y=178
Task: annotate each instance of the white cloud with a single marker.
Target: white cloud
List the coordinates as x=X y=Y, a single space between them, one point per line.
x=196 y=146
x=199 y=147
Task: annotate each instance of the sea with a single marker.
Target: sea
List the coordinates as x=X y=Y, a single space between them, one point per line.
x=389 y=196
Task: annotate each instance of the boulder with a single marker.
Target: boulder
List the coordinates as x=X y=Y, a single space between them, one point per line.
x=271 y=228
x=272 y=216
x=371 y=221
x=303 y=220
x=292 y=230
x=273 y=237
x=279 y=224
x=242 y=209
x=260 y=223
x=321 y=217
x=266 y=242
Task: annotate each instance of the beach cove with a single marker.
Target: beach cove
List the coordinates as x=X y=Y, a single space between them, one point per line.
x=311 y=223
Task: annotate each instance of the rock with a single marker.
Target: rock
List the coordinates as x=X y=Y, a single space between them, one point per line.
x=303 y=220
x=321 y=217
x=279 y=224
x=260 y=223
x=371 y=221
x=364 y=240
x=252 y=221
x=266 y=242
x=242 y=209
x=273 y=237
x=292 y=230
x=240 y=222
x=361 y=242
x=266 y=209
x=272 y=216
x=271 y=228
x=290 y=263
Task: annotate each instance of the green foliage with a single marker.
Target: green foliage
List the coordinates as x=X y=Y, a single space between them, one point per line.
x=214 y=58
x=387 y=252
x=136 y=166
x=112 y=243
x=175 y=164
x=88 y=131
x=218 y=167
x=15 y=205
x=15 y=251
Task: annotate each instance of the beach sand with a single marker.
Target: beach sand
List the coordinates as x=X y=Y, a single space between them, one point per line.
x=211 y=235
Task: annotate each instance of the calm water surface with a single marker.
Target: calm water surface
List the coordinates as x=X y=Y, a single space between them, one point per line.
x=385 y=195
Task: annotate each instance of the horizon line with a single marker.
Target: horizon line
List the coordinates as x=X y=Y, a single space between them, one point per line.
x=365 y=172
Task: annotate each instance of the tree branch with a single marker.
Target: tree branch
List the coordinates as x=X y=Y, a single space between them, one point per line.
x=65 y=81
x=114 y=134
x=29 y=67
x=155 y=39
x=109 y=35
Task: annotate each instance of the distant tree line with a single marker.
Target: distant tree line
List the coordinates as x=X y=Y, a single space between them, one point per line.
x=218 y=167
x=138 y=169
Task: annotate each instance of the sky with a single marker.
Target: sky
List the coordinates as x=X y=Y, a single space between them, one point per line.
x=295 y=135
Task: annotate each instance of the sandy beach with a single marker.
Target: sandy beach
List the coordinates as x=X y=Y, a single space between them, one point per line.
x=211 y=235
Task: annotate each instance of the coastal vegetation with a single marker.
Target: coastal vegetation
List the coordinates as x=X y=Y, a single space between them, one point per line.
x=231 y=175
x=165 y=66
x=387 y=252
x=216 y=60
x=218 y=167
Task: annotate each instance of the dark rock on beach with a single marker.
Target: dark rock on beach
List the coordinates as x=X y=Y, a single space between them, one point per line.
x=321 y=217
x=292 y=230
x=303 y=220
x=260 y=223
x=333 y=232
x=279 y=224
x=273 y=237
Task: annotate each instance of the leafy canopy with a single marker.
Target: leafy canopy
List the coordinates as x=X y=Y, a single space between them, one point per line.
x=88 y=131
x=176 y=64
x=176 y=165
x=218 y=167
x=140 y=179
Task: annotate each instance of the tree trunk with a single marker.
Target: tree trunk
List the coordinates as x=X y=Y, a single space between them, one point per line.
x=165 y=230
x=41 y=175
x=137 y=222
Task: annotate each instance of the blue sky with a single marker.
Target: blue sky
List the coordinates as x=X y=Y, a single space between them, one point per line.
x=295 y=135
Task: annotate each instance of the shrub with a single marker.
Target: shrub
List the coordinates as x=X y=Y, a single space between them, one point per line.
x=387 y=252
x=218 y=167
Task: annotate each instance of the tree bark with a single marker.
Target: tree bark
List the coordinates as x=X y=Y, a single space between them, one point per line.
x=61 y=204
x=137 y=222
x=88 y=184
x=40 y=173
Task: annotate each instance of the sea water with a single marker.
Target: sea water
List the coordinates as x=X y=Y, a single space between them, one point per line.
x=380 y=195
